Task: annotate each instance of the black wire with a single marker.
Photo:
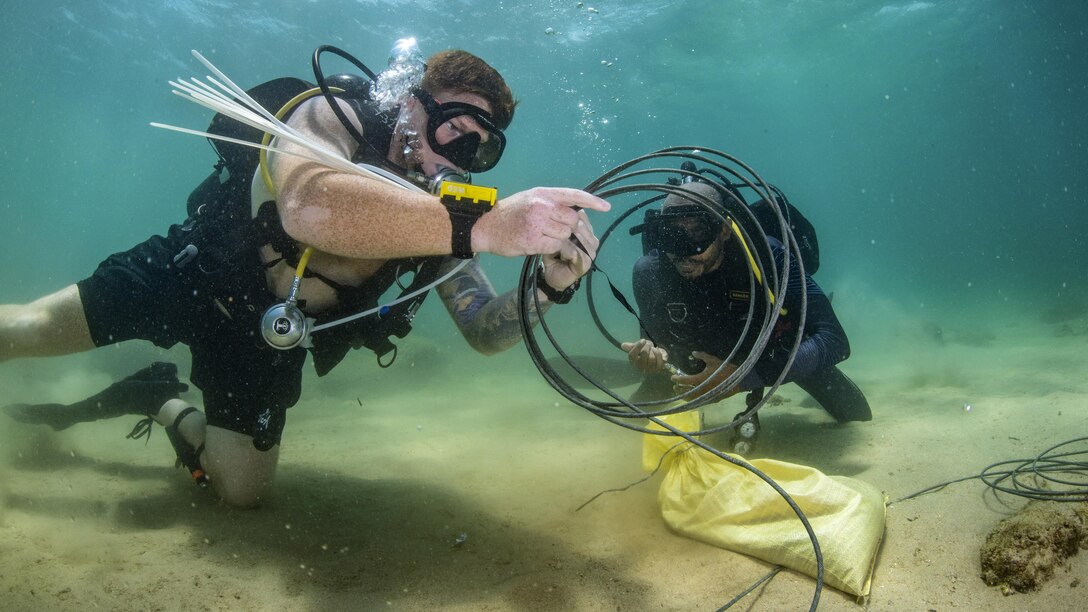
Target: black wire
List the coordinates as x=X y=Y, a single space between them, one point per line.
x=1041 y=467
x=660 y=462
x=736 y=208
x=609 y=185
x=745 y=592
x=700 y=395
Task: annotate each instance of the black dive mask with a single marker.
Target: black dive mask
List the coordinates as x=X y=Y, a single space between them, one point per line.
x=682 y=231
x=469 y=151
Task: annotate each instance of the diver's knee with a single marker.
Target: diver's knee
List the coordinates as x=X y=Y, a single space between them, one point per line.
x=242 y=495
x=240 y=474
x=243 y=485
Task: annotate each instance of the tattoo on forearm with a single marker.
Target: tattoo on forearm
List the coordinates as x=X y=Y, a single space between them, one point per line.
x=487 y=320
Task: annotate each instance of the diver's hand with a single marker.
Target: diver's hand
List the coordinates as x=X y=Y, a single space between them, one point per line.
x=645 y=356
x=538 y=221
x=570 y=263
x=710 y=373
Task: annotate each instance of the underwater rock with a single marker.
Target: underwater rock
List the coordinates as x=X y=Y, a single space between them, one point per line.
x=1024 y=550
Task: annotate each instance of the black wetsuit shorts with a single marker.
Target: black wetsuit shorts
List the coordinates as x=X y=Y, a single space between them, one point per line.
x=213 y=304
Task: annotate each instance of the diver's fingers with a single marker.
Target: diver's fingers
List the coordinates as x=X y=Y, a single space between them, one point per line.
x=639 y=344
x=689 y=380
x=576 y=198
x=569 y=252
x=559 y=226
x=638 y=356
x=583 y=232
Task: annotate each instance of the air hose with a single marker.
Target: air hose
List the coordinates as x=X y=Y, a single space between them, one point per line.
x=643 y=181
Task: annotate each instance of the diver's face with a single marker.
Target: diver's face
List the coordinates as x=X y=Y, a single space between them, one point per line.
x=415 y=151
x=694 y=266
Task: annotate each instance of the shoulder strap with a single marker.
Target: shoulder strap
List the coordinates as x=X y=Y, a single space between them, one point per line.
x=377 y=131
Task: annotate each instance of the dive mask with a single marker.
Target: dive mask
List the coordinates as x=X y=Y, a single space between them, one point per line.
x=469 y=151
x=682 y=231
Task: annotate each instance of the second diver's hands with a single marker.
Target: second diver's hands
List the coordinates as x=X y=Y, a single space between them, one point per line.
x=645 y=356
x=538 y=221
x=710 y=373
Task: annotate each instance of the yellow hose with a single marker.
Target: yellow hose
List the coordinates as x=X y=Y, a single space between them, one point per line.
x=302 y=262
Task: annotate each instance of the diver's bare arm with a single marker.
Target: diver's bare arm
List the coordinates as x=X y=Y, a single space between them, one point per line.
x=361 y=218
x=346 y=214
x=488 y=321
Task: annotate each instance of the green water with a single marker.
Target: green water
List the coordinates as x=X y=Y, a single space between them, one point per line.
x=938 y=147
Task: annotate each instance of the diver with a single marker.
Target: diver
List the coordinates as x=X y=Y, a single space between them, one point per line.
x=694 y=292
x=295 y=232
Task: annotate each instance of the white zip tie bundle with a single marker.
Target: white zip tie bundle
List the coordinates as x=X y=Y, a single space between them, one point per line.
x=224 y=98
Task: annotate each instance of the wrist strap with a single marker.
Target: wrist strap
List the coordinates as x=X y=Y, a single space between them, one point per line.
x=556 y=297
x=465 y=204
x=461 y=238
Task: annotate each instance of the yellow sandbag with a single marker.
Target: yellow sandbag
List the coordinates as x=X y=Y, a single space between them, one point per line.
x=709 y=499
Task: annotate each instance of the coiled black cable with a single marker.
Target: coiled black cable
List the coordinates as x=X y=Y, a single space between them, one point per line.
x=1049 y=476
x=628 y=178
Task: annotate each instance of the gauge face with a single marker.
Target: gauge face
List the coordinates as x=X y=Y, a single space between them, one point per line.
x=747 y=429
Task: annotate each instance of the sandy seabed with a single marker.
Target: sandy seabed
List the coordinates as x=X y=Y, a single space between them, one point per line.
x=452 y=484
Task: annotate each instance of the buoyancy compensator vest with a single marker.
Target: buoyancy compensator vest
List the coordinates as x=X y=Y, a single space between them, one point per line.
x=801 y=228
x=227 y=230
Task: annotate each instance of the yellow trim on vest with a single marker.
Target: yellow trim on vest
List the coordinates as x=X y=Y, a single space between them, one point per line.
x=262 y=163
x=751 y=260
x=286 y=108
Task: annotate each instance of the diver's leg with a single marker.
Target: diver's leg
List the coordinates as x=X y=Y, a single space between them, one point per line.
x=837 y=394
x=240 y=474
x=51 y=325
x=142 y=393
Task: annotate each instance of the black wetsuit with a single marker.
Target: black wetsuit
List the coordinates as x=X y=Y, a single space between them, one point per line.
x=709 y=314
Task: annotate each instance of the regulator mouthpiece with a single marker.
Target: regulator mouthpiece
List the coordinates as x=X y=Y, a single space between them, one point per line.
x=434 y=182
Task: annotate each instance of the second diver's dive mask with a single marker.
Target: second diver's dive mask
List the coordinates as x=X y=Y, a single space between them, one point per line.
x=682 y=231
x=469 y=150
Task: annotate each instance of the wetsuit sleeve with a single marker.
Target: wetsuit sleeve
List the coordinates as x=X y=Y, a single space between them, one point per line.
x=644 y=280
x=824 y=342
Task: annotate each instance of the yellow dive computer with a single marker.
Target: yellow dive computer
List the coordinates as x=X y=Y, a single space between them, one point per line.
x=465 y=204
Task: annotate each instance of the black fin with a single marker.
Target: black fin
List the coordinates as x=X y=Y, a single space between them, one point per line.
x=57 y=416
x=142 y=393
